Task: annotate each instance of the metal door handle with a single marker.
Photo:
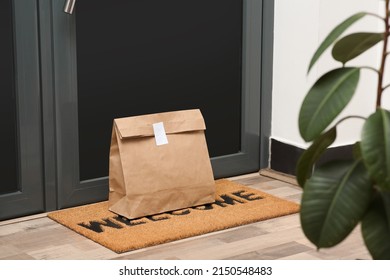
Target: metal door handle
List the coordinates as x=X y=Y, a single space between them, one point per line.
x=69 y=6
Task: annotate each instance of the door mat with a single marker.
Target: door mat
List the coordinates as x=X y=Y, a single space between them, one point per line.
x=235 y=205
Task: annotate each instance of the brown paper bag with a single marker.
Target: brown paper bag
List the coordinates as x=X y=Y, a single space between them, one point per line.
x=159 y=163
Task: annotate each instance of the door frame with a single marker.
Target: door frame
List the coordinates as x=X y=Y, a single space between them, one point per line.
x=256 y=91
x=59 y=89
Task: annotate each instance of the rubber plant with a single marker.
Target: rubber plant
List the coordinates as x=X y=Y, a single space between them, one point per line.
x=338 y=195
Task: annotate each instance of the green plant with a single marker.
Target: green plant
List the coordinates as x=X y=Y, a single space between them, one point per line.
x=338 y=195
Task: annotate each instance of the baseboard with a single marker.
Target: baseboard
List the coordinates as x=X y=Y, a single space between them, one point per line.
x=284 y=157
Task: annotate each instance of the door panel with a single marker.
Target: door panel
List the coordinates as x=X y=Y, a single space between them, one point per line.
x=125 y=58
x=21 y=190
x=8 y=162
x=140 y=60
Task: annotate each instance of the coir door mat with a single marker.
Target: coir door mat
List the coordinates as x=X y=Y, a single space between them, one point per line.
x=235 y=205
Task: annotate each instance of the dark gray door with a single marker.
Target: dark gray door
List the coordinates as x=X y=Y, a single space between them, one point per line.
x=21 y=179
x=125 y=58
x=63 y=78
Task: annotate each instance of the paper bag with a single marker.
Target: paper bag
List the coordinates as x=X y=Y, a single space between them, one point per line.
x=159 y=163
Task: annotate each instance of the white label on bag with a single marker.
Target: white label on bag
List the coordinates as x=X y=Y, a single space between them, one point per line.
x=159 y=134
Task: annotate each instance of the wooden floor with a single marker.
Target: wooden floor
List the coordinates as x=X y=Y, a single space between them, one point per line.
x=38 y=237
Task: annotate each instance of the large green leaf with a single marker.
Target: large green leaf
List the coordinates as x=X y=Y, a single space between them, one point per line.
x=325 y=100
x=386 y=203
x=355 y=44
x=334 y=200
x=356 y=151
x=375 y=146
x=376 y=230
x=334 y=35
x=312 y=154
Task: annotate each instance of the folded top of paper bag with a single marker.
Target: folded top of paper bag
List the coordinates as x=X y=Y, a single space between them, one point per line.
x=173 y=122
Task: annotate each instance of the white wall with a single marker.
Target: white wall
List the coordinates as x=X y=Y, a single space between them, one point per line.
x=300 y=26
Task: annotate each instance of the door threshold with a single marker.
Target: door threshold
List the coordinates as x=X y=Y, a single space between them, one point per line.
x=23 y=219
x=279 y=176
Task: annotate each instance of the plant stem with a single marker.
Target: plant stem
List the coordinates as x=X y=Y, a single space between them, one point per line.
x=370 y=68
x=350 y=117
x=384 y=56
x=375 y=15
x=386 y=87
